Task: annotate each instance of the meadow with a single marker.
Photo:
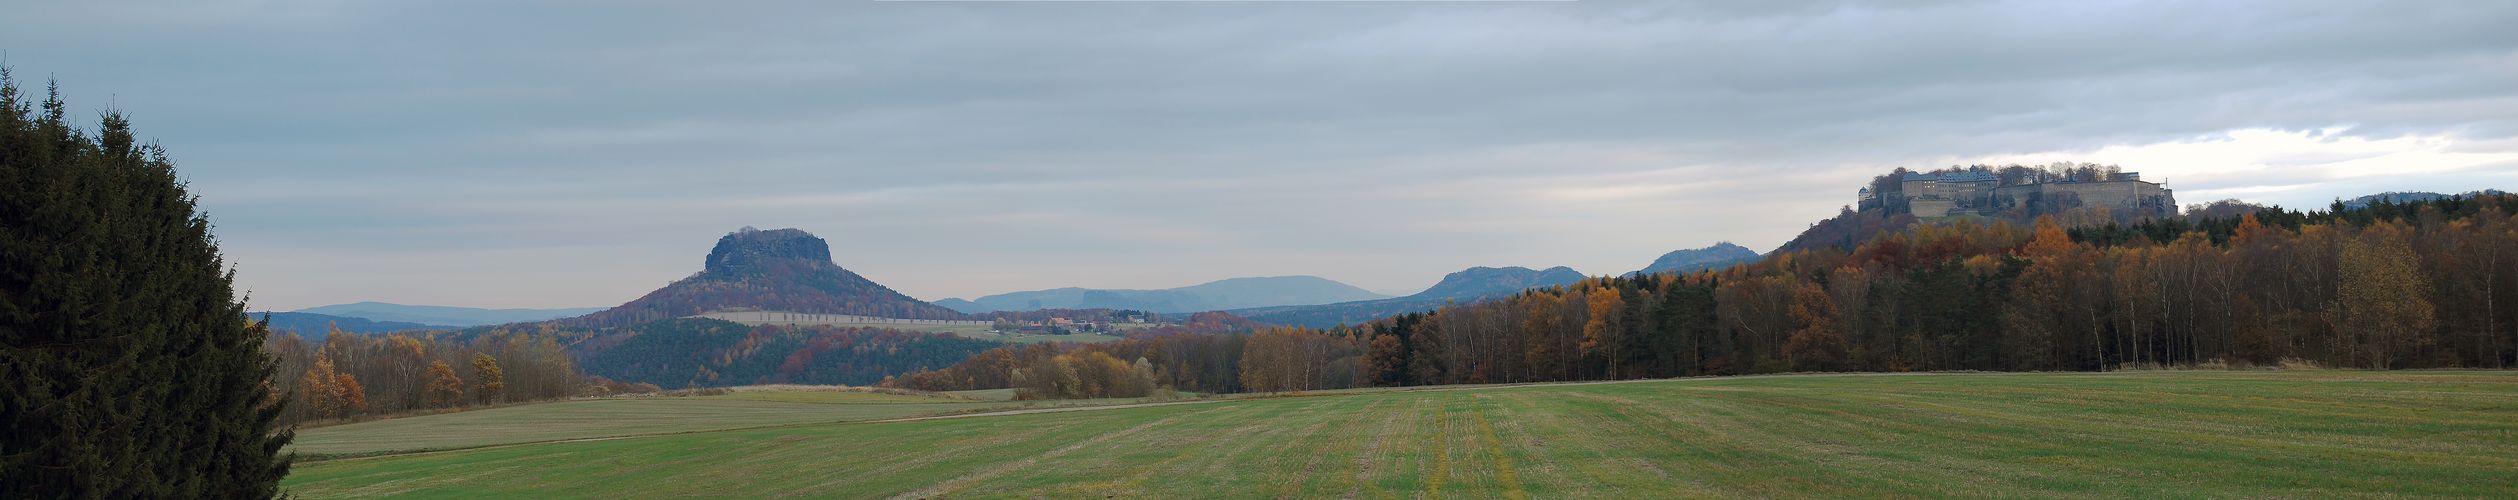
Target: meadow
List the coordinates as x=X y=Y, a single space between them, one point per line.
x=613 y=417
x=2200 y=433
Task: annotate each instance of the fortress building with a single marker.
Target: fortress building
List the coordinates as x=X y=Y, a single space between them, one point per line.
x=2017 y=191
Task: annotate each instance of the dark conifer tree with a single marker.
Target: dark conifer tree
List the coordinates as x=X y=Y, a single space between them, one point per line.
x=127 y=369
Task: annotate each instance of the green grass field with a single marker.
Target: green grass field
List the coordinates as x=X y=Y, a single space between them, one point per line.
x=2209 y=434
x=832 y=397
x=986 y=394
x=597 y=418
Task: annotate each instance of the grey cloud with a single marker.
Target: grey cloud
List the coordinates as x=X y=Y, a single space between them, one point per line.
x=964 y=149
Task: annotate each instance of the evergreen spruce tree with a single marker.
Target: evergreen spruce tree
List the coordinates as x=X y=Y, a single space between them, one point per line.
x=127 y=369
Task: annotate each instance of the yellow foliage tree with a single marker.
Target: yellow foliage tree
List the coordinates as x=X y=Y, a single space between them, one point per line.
x=487 y=381
x=1600 y=332
x=2380 y=302
x=318 y=389
x=444 y=389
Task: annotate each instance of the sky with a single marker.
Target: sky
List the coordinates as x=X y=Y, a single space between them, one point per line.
x=563 y=154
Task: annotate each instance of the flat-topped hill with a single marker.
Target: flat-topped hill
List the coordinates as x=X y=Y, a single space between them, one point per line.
x=773 y=270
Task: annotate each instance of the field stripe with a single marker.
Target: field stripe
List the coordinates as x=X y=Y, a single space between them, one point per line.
x=1503 y=464
x=956 y=484
x=1294 y=486
x=1442 y=452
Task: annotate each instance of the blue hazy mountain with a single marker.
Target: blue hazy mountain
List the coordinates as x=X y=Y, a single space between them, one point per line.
x=2403 y=197
x=444 y=315
x=1720 y=255
x=1466 y=286
x=1235 y=293
x=316 y=326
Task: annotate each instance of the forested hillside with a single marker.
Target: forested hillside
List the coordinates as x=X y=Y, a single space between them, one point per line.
x=1720 y=255
x=696 y=352
x=2386 y=286
x=1848 y=229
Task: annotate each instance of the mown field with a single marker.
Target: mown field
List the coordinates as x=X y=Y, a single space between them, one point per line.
x=2280 y=434
x=599 y=418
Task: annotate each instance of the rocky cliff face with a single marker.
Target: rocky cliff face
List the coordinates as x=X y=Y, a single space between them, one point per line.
x=753 y=250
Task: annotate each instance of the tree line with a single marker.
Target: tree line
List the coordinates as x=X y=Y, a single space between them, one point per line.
x=701 y=352
x=2387 y=286
x=347 y=375
x=1194 y=362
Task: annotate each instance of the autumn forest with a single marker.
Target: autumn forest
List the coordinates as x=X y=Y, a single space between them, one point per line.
x=2385 y=286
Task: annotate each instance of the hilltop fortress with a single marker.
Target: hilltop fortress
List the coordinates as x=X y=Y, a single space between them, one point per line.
x=2017 y=190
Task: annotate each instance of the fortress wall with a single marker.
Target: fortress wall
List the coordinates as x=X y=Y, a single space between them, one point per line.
x=1932 y=207
x=2110 y=194
x=1926 y=198
x=1946 y=190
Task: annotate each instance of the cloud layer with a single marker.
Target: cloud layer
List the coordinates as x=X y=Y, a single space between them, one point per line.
x=569 y=154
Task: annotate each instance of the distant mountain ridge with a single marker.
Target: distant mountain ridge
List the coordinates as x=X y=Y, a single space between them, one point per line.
x=1723 y=254
x=1234 y=293
x=1465 y=286
x=444 y=315
x=963 y=306
x=2402 y=197
x=314 y=326
x=774 y=270
x=1481 y=282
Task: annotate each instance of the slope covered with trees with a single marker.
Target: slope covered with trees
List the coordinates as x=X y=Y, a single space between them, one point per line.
x=2384 y=287
x=1721 y=255
x=697 y=352
x=126 y=367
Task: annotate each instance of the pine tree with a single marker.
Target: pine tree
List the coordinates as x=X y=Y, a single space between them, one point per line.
x=1386 y=361
x=124 y=370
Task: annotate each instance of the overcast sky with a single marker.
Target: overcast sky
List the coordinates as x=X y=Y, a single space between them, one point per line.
x=518 y=154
